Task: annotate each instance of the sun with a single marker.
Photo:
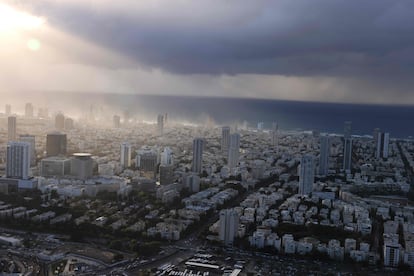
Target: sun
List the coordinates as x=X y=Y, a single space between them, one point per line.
x=12 y=20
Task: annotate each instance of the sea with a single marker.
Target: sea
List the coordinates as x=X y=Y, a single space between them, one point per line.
x=398 y=120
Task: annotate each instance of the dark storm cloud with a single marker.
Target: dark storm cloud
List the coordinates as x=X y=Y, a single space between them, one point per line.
x=297 y=38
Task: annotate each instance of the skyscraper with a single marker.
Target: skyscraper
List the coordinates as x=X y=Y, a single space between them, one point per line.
x=60 y=121
x=116 y=120
x=347 y=163
x=324 y=155
x=166 y=174
x=18 y=160
x=56 y=144
x=167 y=157
x=32 y=142
x=225 y=138
x=8 y=109
x=229 y=225
x=198 y=147
x=383 y=140
x=306 y=174
x=11 y=125
x=375 y=135
x=28 y=111
x=274 y=133
x=125 y=155
x=234 y=149
x=160 y=124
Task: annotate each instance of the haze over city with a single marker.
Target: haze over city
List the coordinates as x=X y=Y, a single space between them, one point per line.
x=177 y=137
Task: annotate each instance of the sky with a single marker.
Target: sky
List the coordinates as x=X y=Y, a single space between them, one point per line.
x=320 y=50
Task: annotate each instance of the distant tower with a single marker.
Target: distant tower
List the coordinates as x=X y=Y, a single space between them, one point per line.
x=18 y=160
x=116 y=120
x=56 y=144
x=165 y=118
x=125 y=155
x=383 y=140
x=60 y=121
x=28 y=111
x=160 y=124
x=11 y=125
x=69 y=124
x=260 y=125
x=229 y=225
x=32 y=142
x=324 y=155
x=347 y=164
x=8 y=109
x=225 y=138
x=274 y=133
x=198 y=147
x=306 y=174
x=234 y=150
x=167 y=157
x=375 y=135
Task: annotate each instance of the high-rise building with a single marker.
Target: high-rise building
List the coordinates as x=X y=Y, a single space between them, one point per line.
x=260 y=125
x=56 y=144
x=28 y=111
x=11 y=125
x=229 y=225
x=60 y=121
x=165 y=118
x=375 y=135
x=8 y=109
x=160 y=124
x=55 y=166
x=347 y=163
x=192 y=182
x=274 y=133
x=167 y=157
x=198 y=147
x=324 y=155
x=147 y=161
x=18 y=160
x=126 y=155
x=391 y=255
x=81 y=165
x=32 y=142
x=166 y=174
x=234 y=150
x=306 y=174
x=225 y=138
x=69 y=124
x=116 y=120
x=383 y=140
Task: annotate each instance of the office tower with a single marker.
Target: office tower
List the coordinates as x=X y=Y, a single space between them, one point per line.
x=260 y=125
x=192 y=182
x=383 y=140
x=18 y=160
x=32 y=142
x=275 y=134
x=55 y=166
x=160 y=124
x=375 y=135
x=56 y=144
x=229 y=225
x=69 y=124
x=166 y=174
x=81 y=166
x=347 y=163
x=324 y=155
x=28 y=110
x=167 y=157
x=8 y=109
x=11 y=125
x=306 y=174
x=234 y=149
x=347 y=129
x=116 y=120
x=147 y=162
x=60 y=121
x=198 y=147
x=125 y=155
x=225 y=138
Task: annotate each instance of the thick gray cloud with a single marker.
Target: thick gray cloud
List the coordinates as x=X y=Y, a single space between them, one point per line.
x=370 y=39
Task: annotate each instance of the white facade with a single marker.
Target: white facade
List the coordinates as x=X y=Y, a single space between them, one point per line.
x=18 y=160
x=307 y=174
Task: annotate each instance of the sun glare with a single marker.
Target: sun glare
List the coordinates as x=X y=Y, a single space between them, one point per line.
x=12 y=20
